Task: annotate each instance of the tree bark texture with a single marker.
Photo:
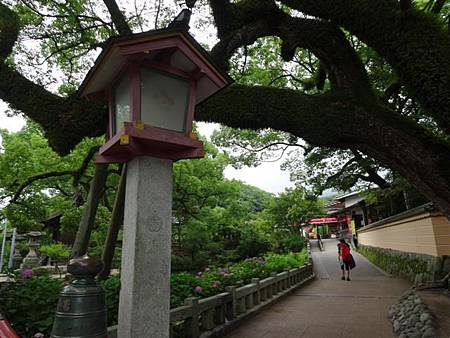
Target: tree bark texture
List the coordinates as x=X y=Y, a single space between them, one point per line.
x=114 y=226
x=83 y=235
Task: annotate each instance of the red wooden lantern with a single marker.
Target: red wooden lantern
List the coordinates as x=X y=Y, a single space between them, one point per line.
x=152 y=81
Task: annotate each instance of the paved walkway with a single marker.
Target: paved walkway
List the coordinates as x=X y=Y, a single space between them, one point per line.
x=330 y=307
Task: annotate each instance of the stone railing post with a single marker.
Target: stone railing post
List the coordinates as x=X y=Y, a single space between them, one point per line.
x=192 y=325
x=219 y=313
x=208 y=319
x=231 y=309
x=275 y=284
x=257 y=294
x=263 y=293
x=249 y=301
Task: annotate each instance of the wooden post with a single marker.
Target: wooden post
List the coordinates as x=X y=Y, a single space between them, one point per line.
x=114 y=226
x=90 y=210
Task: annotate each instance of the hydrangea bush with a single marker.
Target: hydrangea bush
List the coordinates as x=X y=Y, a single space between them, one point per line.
x=30 y=303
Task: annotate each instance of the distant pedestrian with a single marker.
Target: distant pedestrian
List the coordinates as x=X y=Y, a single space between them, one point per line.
x=319 y=242
x=345 y=258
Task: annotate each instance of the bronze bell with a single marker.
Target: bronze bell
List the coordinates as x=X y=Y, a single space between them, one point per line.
x=81 y=310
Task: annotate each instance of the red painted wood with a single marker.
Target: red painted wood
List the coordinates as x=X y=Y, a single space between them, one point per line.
x=150 y=45
x=95 y=96
x=165 y=54
x=200 y=61
x=6 y=331
x=197 y=74
x=167 y=68
x=149 y=141
x=162 y=135
x=184 y=45
x=110 y=98
x=191 y=107
x=135 y=92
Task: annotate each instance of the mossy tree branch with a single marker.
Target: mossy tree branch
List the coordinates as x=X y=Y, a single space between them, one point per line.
x=9 y=31
x=349 y=116
x=412 y=42
x=352 y=116
x=65 y=121
x=337 y=120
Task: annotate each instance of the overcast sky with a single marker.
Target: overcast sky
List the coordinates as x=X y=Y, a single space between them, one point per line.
x=267 y=176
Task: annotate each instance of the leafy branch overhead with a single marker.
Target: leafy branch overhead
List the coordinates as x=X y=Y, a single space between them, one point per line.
x=371 y=76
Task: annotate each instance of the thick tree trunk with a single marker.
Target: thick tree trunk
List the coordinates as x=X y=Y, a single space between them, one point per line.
x=83 y=235
x=114 y=227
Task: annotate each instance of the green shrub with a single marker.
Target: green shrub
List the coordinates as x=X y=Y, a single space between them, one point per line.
x=227 y=257
x=278 y=263
x=250 y=268
x=253 y=243
x=293 y=244
x=112 y=290
x=181 y=263
x=55 y=251
x=30 y=304
x=181 y=287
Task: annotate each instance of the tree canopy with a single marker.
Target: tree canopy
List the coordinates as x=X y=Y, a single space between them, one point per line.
x=374 y=76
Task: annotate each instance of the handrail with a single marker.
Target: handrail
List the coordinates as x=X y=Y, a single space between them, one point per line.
x=199 y=317
x=208 y=316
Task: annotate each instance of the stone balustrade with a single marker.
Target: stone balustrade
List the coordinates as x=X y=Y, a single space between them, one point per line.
x=216 y=315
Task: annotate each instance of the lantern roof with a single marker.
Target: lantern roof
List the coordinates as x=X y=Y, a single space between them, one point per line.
x=173 y=47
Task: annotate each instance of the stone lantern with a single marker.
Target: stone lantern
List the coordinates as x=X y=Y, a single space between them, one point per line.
x=32 y=259
x=152 y=82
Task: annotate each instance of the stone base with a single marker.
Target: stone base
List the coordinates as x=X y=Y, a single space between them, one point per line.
x=30 y=263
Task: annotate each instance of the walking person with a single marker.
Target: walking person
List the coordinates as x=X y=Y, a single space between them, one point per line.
x=345 y=258
x=319 y=242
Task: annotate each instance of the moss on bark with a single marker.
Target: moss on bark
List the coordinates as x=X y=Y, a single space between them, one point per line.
x=414 y=43
x=9 y=30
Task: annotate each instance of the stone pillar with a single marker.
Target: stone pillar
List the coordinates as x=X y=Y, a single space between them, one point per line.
x=17 y=258
x=144 y=307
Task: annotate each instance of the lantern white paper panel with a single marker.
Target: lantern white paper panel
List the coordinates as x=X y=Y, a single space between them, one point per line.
x=122 y=101
x=164 y=100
